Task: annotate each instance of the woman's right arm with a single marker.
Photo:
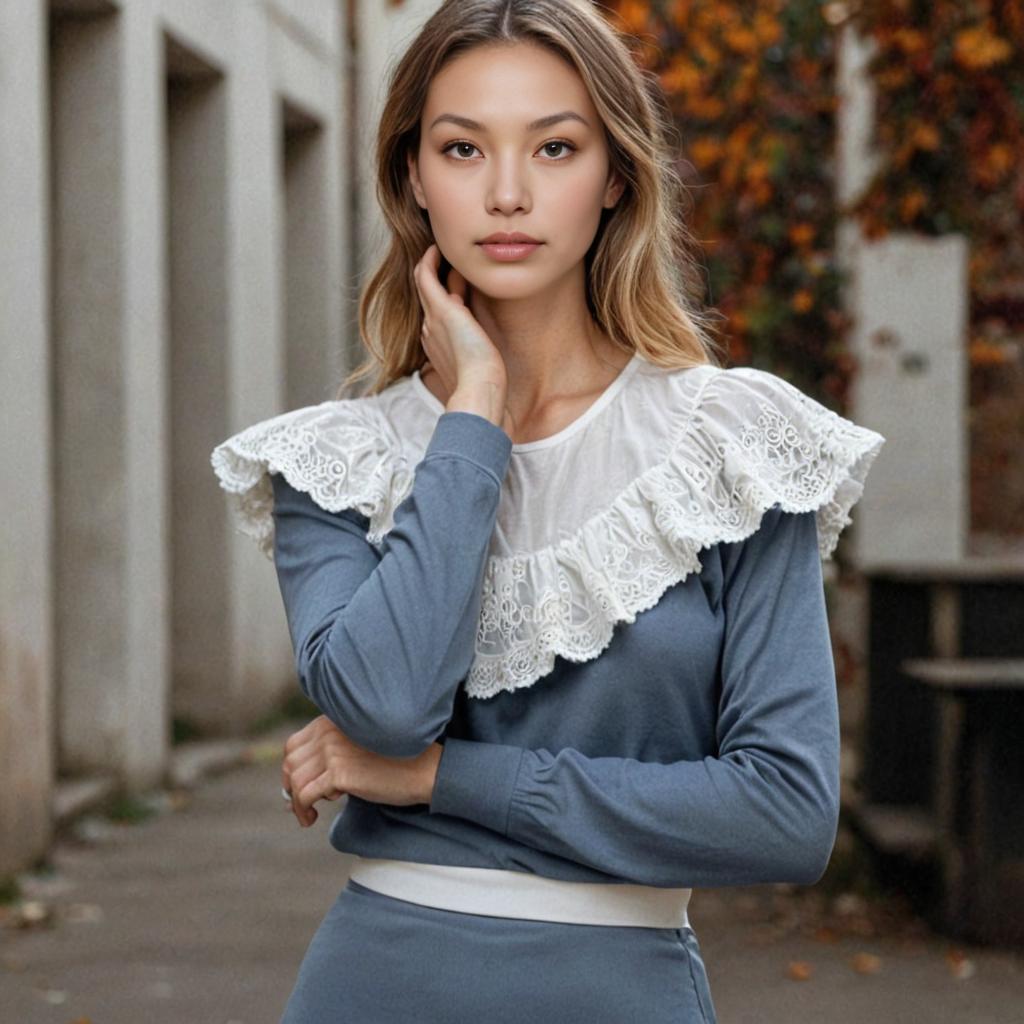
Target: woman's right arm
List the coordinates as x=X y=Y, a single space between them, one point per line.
x=382 y=638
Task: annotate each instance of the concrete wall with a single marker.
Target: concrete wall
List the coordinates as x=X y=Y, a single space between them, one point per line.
x=173 y=266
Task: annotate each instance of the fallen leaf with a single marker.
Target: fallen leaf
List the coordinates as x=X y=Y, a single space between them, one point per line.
x=959 y=964
x=799 y=970
x=866 y=963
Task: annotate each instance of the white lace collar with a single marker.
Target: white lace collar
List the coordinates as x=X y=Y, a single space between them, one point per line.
x=594 y=523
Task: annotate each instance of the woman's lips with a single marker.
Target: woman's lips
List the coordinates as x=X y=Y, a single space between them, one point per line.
x=507 y=252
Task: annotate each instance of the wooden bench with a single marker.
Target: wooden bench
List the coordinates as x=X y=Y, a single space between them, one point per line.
x=977 y=796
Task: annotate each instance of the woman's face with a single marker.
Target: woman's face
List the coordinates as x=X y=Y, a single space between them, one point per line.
x=549 y=181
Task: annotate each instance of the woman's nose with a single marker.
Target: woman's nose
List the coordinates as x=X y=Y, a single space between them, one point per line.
x=509 y=188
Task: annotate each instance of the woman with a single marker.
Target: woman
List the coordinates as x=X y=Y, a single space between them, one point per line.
x=555 y=582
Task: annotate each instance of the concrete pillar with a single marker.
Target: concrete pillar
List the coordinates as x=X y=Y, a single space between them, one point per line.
x=110 y=354
x=312 y=371
x=198 y=307
x=27 y=750
x=143 y=690
x=90 y=506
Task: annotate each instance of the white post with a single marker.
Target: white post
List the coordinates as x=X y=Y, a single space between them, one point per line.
x=909 y=301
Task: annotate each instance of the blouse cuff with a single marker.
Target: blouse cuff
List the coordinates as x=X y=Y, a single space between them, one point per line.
x=476 y=781
x=472 y=437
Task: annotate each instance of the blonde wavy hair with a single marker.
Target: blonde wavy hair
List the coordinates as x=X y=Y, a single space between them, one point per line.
x=643 y=268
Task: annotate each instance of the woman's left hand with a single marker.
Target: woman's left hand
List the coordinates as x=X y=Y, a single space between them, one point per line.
x=322 y=763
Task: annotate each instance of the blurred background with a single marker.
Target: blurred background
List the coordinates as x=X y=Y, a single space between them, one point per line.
x=187 y=211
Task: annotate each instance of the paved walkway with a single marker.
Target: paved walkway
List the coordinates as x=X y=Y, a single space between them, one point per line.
x=200 y=915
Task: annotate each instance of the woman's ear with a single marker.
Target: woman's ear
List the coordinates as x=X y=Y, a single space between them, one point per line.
x=613 y=192
x=414 y=180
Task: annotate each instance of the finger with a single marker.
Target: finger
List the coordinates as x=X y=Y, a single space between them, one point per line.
x=432 y=292
x=307 y=760
x=457 y=286
x=296 y=809
x=303 y=812
x=301 y=754
x=307 y=768
x=327 y=786
x=312 y=779
x=418 y=273
x=319 y=788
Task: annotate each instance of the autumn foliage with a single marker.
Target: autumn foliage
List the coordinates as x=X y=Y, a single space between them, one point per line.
x=752 y=88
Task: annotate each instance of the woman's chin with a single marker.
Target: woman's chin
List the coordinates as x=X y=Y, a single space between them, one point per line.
x=500 y=286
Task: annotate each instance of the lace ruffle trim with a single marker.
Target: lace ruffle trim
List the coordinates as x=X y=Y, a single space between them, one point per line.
x=351 y=460
x=714 y=486
x=565 y=600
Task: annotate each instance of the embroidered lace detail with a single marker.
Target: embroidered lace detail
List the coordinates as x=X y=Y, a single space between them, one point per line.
x=746 y=440
x=751 y=440
x=342 y=453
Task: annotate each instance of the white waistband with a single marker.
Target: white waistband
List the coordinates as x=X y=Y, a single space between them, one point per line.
x=496 y=892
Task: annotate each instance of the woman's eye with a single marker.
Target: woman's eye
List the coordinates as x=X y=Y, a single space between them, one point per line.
x=559 y=142
x=463 y=146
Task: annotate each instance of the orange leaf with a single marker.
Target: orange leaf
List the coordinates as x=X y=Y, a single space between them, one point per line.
x=979 y=47
x=801 y=233
x=802 y=301
x=866 y=963
x=799 y=970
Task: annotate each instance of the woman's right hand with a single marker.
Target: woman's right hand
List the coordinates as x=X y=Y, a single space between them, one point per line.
x=456 y=345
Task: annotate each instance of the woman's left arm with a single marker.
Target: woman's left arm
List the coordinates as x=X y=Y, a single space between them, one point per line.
x=765 y=809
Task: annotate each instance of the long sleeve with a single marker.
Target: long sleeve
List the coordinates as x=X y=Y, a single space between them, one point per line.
x=764 y=809
x=382 y=639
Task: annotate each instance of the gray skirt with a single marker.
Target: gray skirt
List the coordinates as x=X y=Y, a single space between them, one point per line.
x=375 y=959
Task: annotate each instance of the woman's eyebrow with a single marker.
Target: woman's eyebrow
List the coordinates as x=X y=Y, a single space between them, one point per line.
x=541 y=122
